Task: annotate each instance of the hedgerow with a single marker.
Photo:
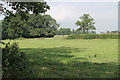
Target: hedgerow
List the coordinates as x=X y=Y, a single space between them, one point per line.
x=94 y=36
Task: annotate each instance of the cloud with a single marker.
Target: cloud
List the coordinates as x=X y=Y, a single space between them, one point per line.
x=105 y=14
x=63 y=12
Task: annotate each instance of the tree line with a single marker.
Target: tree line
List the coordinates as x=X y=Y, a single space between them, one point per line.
x=36 y=26
x=42 y=25
x=68 y=31
x=114 y=31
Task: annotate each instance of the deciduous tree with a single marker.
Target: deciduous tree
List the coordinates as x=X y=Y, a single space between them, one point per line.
x=86 y=23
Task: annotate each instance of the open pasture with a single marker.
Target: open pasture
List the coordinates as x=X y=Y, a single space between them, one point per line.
x=63 y=58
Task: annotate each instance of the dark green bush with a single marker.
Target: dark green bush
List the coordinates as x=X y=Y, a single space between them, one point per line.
x=93 y=36
x=14 y=62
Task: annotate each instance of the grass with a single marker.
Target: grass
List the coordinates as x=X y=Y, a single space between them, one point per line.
x=62 y=58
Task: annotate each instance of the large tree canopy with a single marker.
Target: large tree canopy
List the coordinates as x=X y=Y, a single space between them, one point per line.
x=14 y=28
x=24 y=19
x=36 y=26
x=86 y=23
x=41 y=26
x=42 y=21
x=23 y=8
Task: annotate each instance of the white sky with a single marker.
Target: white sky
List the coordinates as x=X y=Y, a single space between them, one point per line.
x=104 y=13
x=82 y=0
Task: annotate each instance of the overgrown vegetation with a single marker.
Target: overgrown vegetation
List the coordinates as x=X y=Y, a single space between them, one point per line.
x=94 y=36
x=14 y=62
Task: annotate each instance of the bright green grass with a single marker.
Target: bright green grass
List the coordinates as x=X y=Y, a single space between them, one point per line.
x=58 y=57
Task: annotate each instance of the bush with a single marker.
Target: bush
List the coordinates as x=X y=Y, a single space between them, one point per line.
x=93 y=36
x=14 y=62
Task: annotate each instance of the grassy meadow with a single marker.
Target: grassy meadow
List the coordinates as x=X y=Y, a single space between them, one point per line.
x=77 y=58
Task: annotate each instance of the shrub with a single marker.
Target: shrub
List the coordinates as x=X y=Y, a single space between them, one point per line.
x=14 y=62
x=93 y=36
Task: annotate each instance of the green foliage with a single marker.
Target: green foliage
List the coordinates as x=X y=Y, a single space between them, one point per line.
x=13 y=27
x=86 y=23
x=24 y=8
x=93 y=36
x=77 y=31
x=41 y=26
x=0 y=29
x=114 y=31
x=108 y=36
x=42 y=21
x=63 y=31
x=14 y=62
x=16 y=22
x=36 y=26
x=68 y=31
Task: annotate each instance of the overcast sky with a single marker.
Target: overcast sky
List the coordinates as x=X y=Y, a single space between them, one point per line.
x=105 y=14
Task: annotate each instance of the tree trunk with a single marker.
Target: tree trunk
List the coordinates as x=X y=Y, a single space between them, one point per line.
x=87 y=31
x=83 y=30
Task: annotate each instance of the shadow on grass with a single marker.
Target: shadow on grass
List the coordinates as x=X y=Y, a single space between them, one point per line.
x=59 y=63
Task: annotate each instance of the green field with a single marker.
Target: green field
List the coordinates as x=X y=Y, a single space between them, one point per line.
x=63 y=58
